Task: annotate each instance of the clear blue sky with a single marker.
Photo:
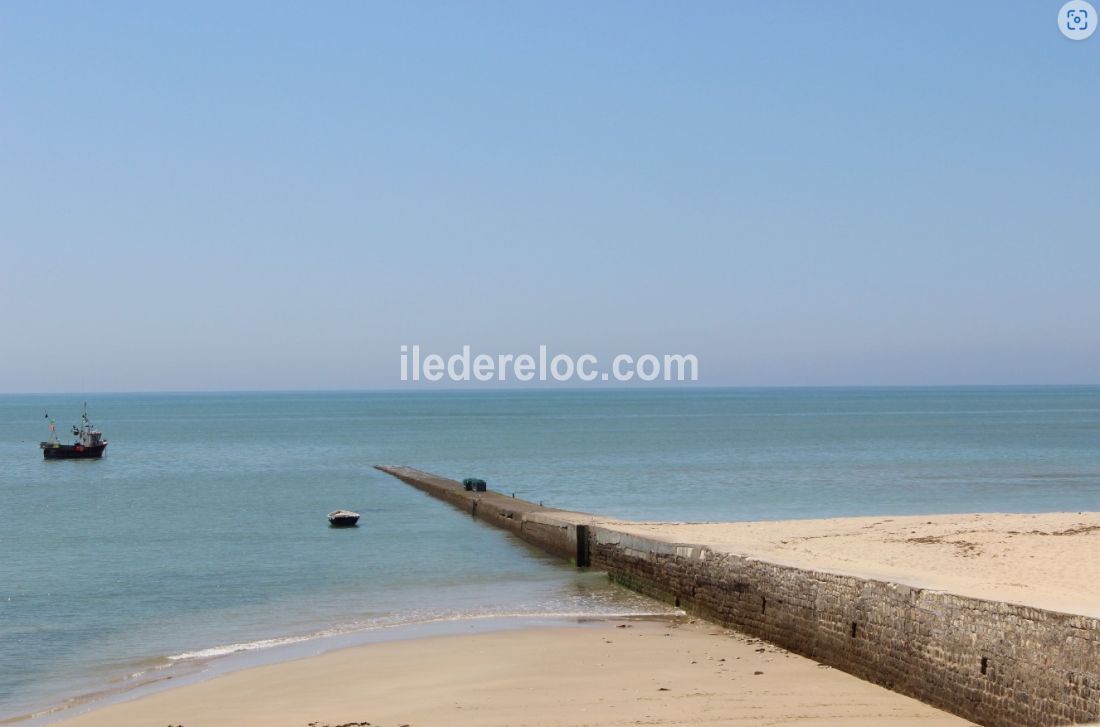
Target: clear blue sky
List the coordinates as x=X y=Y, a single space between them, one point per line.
x=279 y=195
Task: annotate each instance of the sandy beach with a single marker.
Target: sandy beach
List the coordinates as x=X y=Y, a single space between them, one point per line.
x=1046 y=560
x=609 y=673
x=652 y=672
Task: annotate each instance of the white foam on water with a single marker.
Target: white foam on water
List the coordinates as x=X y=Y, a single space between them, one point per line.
x=226 y=649
x=216 y=651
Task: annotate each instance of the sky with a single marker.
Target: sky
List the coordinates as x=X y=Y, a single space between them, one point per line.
x=258 y=195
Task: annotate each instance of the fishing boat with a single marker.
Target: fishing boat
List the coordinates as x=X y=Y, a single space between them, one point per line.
x=89 y=444
x=343 y=518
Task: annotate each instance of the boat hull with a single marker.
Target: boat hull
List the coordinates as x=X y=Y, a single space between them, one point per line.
x=72 y=451
x=343 y=519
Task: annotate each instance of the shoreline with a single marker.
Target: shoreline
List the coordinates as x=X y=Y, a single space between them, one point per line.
x=603 y=672
x=838 y=545
x=190 y=671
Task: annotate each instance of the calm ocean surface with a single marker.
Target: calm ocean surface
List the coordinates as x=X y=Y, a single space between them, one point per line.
x=203 y=531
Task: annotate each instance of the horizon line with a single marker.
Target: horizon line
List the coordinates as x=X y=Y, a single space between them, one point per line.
x=542 y=388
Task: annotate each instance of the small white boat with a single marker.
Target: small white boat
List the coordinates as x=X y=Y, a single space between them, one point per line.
x=343 y=518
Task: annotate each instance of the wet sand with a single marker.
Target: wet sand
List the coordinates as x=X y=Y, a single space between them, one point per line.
x=651 y=672
x=610 y=673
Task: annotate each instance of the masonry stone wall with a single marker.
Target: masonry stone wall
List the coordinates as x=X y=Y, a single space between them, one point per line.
x=990 y=662
x=530 y=522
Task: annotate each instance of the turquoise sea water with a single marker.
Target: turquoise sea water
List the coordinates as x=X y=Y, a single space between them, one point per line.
x=203 y=531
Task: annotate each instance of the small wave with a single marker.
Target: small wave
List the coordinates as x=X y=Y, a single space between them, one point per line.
x=227 y=649
x=151 y=668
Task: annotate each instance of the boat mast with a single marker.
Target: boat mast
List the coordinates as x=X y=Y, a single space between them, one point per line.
x=52 y=425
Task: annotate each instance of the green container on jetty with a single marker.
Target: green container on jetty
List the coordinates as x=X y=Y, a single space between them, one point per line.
x=474 y=484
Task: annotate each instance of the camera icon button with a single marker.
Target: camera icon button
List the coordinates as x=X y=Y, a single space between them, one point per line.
x=1077 y=20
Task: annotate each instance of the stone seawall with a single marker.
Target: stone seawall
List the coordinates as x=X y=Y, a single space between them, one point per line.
x=991 y=662
x=555 y=531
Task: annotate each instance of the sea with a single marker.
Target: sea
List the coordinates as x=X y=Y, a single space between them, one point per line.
x=202 y=535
